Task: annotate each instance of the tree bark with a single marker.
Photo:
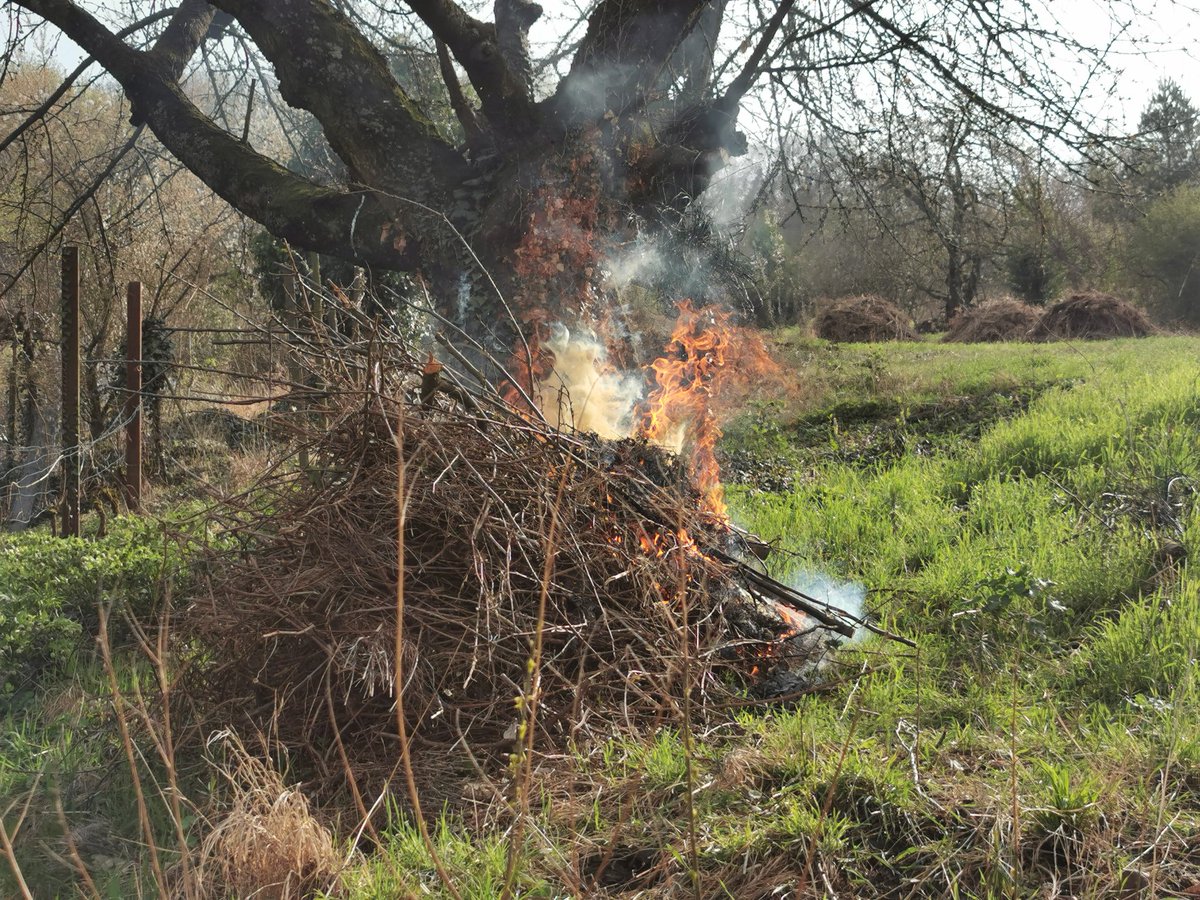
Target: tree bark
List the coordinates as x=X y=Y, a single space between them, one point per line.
x=510 y=232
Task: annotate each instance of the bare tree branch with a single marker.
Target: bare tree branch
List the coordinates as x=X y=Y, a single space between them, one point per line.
x=750 y=72
x=358 y=225
x=325 y=66
x=183 y=35
x=58 y=93
x=79 y=202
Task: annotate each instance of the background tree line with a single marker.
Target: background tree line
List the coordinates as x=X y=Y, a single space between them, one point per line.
x=936 y=210
x=941 y=210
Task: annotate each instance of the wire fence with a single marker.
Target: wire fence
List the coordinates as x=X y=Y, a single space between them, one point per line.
x=207 y=394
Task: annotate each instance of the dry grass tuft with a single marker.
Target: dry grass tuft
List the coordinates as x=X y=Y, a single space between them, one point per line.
x=266 y=844
x=1005 y=319
x=863 y=319
x=740 y=768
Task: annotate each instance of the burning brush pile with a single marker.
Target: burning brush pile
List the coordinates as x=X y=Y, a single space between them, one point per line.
x=444 y=561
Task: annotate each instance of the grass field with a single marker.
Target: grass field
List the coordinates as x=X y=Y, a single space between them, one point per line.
x=1024 y=513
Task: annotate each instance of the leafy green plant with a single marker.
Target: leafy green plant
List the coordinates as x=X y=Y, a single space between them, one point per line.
x=1069 y=803
x=49 y=588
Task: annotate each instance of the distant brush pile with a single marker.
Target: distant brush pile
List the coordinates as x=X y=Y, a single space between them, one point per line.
x=1090 y=316
x=1005 y=319
x=864 y=319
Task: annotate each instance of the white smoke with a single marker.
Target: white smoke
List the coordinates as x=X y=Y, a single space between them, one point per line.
x=463 y=299
x=639 y=261
x=586 y=95
x=583 y=392
x=848 y=596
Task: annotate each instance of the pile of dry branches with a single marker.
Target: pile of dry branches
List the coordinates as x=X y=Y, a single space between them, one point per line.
x=865 y=318
x=1091 y=316
x=555 y=587
x=1004 y=319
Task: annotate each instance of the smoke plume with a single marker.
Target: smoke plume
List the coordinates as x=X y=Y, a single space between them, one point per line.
x=848 y=596
x=583 y=391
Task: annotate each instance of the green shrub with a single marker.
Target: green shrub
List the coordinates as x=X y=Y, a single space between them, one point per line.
x=50 y=587
x=1163 y=253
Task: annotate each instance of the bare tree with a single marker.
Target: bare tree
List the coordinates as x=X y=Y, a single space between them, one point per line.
x=135 y=214
x=614 y=132
x=950 y=174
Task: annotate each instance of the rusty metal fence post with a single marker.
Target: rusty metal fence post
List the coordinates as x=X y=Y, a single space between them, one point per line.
x=14 y=400
x=70 y=392
x=133 y=399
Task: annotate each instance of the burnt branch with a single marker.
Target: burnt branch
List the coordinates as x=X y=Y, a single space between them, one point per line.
x=696 y=56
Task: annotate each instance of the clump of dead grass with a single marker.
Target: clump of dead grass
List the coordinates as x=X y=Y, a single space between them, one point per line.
x=1003 y=319
x=863 y=319
x=266 y=843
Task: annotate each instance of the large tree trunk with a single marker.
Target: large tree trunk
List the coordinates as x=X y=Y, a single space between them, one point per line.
x=509 y=231
x=543 y=232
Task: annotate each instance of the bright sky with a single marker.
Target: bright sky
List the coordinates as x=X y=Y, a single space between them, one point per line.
x=1150 y=40
x=1158 y=44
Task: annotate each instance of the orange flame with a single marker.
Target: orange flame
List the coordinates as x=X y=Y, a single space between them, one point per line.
x=686 y=378
x=795 y=620
x=527 y=366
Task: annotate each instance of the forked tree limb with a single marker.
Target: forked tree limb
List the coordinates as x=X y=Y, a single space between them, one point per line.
x=463 y=111
x=326 y=66
x=623 y=54
x=358 y=225
x=505 y=98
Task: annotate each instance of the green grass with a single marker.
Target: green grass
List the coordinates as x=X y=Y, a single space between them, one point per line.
x=924 y=370
x=1032 y=529
x=1033 y=567
x=1044 y=738
x=59 y=742
x=59 y=749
